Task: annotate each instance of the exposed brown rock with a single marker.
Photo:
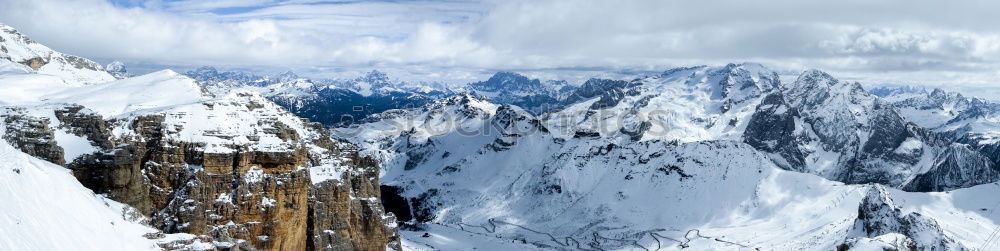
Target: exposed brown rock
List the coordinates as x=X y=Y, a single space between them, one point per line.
x=85 y=124
x=35 y=63
x=31 y=135
x=360 y=223
x=247 y=198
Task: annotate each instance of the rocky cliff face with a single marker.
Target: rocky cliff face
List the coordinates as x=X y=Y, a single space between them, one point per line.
x=358 y=225
x=970 y=121
x=531 y=94
x=273 y=182
x=881 y=222
x=818 y=124
x=958 y=167
x=234 y=170
x=31 y=135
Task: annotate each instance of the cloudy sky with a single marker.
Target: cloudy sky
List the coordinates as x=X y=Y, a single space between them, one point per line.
x=953 y=44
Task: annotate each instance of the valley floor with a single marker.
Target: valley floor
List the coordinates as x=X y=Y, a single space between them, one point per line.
x=440 y=237
x=800 y=212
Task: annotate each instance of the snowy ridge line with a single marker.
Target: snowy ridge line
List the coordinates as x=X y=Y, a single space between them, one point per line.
x=993 y=235
x=596 y=236
x=843 y=195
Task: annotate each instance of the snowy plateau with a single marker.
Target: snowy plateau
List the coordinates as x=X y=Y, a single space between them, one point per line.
x=730 y=157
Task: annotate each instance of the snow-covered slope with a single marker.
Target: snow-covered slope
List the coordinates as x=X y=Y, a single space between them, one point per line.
x=694 y=157
x=19 y=84
x=155 y=90
x=683 y=104
x=495 y=170
x=239 y=120
x=18 y=48
x=45 y=208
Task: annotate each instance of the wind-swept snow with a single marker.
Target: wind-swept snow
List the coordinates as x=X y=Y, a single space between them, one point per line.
x=151 y=91
x=73 y=146
x=19 y=85
x=45 y=208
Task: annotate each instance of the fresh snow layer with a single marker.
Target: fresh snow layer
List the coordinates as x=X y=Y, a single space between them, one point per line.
x=155 y=90
x=18 y=87
x=45 y=208
x=969 y=215
x=73 y=146
x=440 y=237
x=238 y=118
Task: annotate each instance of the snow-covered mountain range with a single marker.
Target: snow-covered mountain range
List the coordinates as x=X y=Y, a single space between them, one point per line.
x=707 y=157
x=330 y=102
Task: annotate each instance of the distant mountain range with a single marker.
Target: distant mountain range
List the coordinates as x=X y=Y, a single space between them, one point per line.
x=706 y=157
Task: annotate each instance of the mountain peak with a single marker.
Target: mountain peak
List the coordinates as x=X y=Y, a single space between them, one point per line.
x=887 y=90
x=748 y=66
x=205 y=69
x=675 y=70
x=165 y=72
x=937 y=92
x=13 y=33
x=287 y=76
x=508 y=81
x=18 y=48
x=375 y=78
x=376 y=74
x=507 y=75
x=815 y=77
x=117 y=69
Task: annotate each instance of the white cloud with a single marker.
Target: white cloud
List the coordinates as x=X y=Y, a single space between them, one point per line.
x=937 y=43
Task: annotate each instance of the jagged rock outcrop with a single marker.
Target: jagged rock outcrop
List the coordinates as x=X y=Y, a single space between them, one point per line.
x=273 y=183
x=31 y=135
x=968 y=121
x=818 y=124
x=880 y=219
x=958 y=167
x=80 y=122
x=532 y=95
x=357 y=225
x=117 y=69
x=772 y=128
x=606 y=89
